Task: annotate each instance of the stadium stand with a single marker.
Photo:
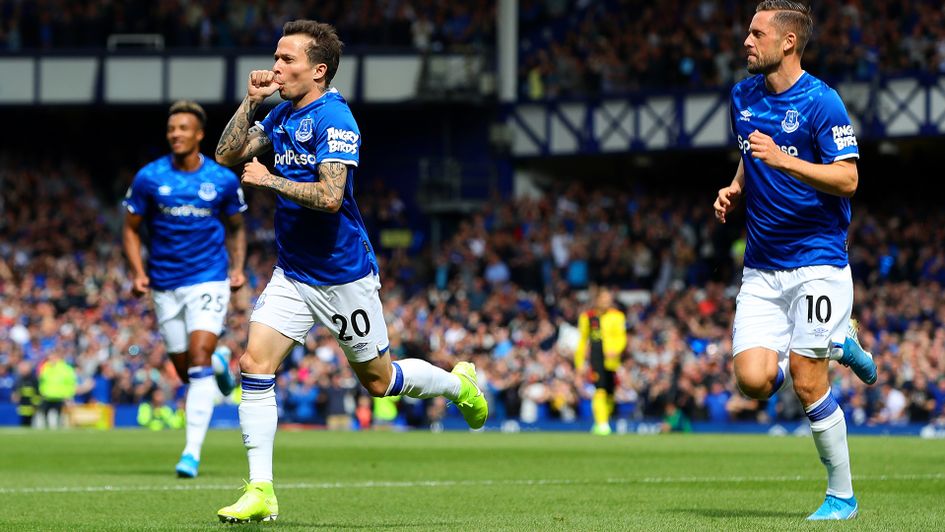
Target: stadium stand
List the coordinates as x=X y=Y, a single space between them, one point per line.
x=418 y=24
x=616 y=46
x=504 y=290
x=568 y=49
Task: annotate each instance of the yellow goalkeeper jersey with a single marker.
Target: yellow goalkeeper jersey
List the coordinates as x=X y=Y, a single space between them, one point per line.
x=604 y=336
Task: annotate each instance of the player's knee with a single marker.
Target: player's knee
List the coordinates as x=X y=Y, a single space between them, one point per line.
x=755 y=373
x=249 y=363
x=199 y=355
x=754 y=385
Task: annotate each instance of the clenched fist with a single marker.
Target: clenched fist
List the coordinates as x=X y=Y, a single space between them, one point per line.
x=261 y=85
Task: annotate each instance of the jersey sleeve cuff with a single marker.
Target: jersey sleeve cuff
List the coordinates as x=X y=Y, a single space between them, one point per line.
x=342 y=161
x=846 y=156
x=262 y=126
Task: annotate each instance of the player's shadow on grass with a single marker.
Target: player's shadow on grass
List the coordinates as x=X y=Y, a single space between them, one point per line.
x=159 y=472
x=729 y=513
x=374 y=526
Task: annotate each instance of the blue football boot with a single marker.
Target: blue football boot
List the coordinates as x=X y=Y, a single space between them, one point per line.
x=835 y=509
x=855 y=358
x=187 y=467
x=220 y=360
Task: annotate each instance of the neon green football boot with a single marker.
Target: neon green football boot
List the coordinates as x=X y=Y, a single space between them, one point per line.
x=258 y=503
x=471 y=402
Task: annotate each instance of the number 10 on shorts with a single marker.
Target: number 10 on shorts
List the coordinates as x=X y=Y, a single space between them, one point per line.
x=819 y=308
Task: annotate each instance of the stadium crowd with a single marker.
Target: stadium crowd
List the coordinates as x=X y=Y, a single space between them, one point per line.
x=505 y=291
x=420 y=24
x=617 y=46
x=567 y=48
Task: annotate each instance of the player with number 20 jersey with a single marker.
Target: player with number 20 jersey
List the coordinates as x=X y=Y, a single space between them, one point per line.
x=326 y=272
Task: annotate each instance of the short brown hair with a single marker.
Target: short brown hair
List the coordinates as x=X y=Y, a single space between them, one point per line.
x=325 y=46
x=790 y=17
x=188 y=106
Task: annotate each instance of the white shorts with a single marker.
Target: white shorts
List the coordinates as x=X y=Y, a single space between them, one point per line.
x=198 y=307
x=352 y=312
x=805 y=310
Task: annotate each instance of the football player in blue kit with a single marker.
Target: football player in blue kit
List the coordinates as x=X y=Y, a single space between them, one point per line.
x=192 y=208
x=326 y=272
x=796 y=175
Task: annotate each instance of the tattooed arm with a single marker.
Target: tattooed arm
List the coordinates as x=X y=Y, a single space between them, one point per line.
x=239 y=141
x=326 y=194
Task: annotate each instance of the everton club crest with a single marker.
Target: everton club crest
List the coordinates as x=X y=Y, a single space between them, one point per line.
x=304 y=132
x=207 y=191
x=790 y=122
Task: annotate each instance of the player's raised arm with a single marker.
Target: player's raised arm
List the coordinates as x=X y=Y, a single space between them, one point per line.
x=240 y=141
x=326 y=194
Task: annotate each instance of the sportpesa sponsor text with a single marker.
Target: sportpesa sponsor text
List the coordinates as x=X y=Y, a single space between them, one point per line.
x=745 y=146
x=185 y=210
x=290 y=158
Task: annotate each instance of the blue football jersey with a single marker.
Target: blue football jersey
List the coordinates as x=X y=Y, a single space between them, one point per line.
x=791 y=224
x=182 y=211
x=316 y=247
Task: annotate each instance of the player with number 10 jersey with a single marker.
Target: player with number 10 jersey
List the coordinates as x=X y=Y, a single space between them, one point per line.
x=797 y=173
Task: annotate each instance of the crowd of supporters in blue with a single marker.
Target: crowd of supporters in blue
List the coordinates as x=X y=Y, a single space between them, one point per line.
x=423 y=25
x=504 y=290
x=568 y=48
x=588 y=47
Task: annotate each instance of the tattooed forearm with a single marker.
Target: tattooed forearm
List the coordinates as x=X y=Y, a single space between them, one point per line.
x=238 y=137
x=326 y=194
x=333 y=176
x=256 y=142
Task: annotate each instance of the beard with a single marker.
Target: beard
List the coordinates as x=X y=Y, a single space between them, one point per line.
x=762 y=65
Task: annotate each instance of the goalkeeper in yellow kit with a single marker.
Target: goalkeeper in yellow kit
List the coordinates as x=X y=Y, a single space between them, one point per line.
x=604 y=335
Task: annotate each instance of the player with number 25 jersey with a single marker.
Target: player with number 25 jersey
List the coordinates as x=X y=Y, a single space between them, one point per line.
x=185 y=200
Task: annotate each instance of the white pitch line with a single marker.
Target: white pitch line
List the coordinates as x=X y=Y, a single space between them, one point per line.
x=453 y=483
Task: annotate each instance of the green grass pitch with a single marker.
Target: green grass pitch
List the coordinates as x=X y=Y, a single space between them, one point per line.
x=418 y=481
